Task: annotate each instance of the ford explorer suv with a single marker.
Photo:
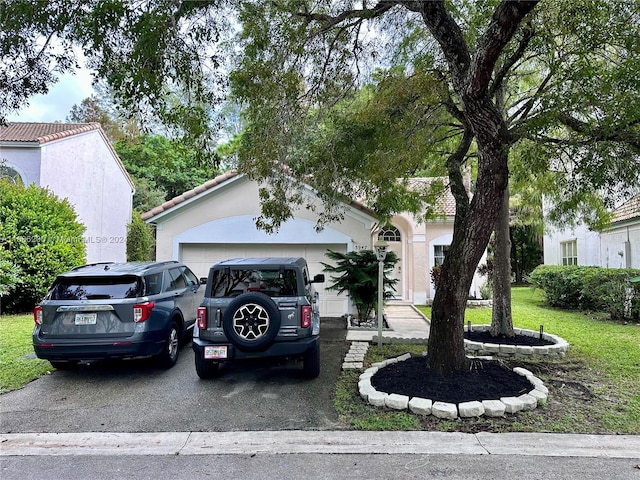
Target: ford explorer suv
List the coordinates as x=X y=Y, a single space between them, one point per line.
x=117 y=310
x=257 y=308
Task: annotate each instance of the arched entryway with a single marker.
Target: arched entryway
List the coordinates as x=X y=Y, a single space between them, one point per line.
x=392 y=235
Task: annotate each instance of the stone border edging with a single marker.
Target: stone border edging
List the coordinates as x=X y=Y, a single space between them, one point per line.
x=422 y=406
x=559 y=348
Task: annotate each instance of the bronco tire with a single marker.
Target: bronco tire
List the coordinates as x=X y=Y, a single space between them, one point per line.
x=251 y=321
x=206 y=368
x=311 y=362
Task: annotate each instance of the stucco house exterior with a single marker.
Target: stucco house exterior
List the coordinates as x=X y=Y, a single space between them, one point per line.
x=75 y=161
x=616 y=247
x=216 y=221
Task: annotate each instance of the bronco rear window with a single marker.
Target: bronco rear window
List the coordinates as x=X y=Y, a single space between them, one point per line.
x=233 y=282
x=95 y=288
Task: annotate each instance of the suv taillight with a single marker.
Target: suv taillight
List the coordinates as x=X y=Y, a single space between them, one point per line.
x=202 y=318
x=141 y=311
x=37 y=315
x=305 y=317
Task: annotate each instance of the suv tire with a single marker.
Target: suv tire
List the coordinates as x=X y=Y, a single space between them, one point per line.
x=251 y=321
x=206 y=369
x=311 y=363
x=63 y=365
x=171 y=349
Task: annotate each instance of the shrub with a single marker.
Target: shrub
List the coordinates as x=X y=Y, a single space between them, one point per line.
x=140 y=240
x=357 y=274
x=590 y=288
x=39 y=234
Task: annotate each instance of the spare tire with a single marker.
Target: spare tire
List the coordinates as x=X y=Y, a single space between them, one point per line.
x=251 y=321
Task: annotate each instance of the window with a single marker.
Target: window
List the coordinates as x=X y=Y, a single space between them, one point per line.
x=153 y=283
x=570 y=252
x=275 y=283
x=93 y=288
x=390 y=234
x=176 y=280
x=8 y=173
x=439 y=251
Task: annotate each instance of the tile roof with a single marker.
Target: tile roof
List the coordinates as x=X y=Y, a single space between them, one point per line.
x=43 y=132
x=628 y=210
x=220 y=179
x=448 y=204
x=34 y=132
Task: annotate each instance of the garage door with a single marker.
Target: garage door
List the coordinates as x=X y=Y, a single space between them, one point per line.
x=199 y=257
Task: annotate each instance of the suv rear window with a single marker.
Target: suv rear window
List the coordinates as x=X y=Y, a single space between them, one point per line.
x=95 y=288
x=233 y=282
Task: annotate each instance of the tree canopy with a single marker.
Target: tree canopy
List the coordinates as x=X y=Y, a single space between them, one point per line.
x=351 y=96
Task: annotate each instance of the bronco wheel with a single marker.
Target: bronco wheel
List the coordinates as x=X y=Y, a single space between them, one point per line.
x=251 y=321
x=171 y=348
x=206 y=368
x=311 y=362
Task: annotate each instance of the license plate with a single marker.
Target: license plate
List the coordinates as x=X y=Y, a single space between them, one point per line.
x=86 y=318
x=215 y=352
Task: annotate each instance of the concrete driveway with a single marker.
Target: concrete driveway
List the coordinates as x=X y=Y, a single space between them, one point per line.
x=136 y=396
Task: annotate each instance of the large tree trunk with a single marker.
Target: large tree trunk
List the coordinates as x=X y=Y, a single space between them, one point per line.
x=474 y=224
x=501 y=319
x=483 y=120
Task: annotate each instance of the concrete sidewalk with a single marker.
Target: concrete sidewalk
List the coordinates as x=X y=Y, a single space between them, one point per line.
x=405 y=321
x=319 y=442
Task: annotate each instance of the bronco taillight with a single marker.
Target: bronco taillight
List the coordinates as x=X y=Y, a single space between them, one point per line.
x=305 y=317
x=142 y=311
x=37 y=315
x=202 y=318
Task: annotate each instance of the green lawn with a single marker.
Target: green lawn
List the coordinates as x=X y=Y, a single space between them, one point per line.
x=594 y=389
x=16 y=366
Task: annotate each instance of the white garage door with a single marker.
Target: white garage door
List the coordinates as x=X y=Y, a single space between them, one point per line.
x=199 y=257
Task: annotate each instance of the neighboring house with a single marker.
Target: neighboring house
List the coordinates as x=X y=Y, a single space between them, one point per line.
x=616 y=247
x=75 y=161
x=216 y=221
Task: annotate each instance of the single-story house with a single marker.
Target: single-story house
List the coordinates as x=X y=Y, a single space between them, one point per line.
x=216 y=221
x=618 y=246
x=75 y=161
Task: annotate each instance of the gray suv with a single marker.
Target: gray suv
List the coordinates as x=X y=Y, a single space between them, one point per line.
x=255 y=308
x=117 y=310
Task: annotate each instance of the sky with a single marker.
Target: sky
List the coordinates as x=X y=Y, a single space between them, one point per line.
x=56 y=105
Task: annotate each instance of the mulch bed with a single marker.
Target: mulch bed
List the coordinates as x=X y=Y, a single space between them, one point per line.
x=485 y=380
x=525 y=340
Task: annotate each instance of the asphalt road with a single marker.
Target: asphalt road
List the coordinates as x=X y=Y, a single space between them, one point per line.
x=317 y=466
x=136 y=396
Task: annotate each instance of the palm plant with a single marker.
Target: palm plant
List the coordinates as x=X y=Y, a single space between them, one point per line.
x=356 y=273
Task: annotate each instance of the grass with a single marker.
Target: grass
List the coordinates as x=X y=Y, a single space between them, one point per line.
x=594 y=389
x=16 y=367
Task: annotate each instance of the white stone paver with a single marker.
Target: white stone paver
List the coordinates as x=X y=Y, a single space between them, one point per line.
x=421 y=406
x=444 y=410
x=405 y=323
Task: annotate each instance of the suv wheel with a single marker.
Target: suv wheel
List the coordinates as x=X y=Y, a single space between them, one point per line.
x=171 y=349
x=311 y=362
x=206 y=368
x=251 y=321
x=63 y=365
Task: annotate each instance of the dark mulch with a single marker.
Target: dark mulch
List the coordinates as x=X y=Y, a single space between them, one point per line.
x=485 y=380
x=525 y=340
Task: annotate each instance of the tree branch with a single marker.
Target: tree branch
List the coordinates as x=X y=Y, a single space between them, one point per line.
x=504 y=23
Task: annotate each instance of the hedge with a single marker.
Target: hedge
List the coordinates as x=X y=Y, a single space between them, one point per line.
x=590 y=288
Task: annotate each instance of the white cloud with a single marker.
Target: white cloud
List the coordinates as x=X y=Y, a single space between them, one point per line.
x=56 y=105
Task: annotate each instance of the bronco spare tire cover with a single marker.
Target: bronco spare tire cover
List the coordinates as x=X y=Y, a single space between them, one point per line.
x=251 y=321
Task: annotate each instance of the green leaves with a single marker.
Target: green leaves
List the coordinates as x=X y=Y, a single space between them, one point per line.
x=40 y=235
x=356 y=273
